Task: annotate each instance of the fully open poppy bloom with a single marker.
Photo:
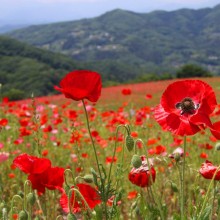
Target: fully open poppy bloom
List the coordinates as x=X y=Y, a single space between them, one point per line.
x=90 y=195
x=208 y=170
x=81 y=84
x=142 y=176
x=41 y=174
x=185 y=108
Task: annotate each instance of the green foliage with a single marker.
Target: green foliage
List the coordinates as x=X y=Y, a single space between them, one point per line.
x=14 y=94
x=152 y=42
x=192 y=70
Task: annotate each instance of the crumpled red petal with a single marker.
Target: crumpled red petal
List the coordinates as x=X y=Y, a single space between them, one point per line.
x=31 y=164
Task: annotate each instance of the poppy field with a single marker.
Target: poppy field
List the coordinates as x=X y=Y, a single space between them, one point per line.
x=142 y=151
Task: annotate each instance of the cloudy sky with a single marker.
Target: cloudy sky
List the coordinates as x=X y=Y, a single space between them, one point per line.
x=45 y=11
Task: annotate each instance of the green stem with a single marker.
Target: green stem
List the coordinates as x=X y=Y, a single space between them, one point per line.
x=207 y=194
x=116 y=135
x=65 y=177
x=151 y=179
x=93 y=143
x=39 y=205
x=12 y=203
x=59 y=217
x=109 y=175
x=26 y=184
x=69 y=199
x=96 y=156
x=182 y=181
x=213 y=201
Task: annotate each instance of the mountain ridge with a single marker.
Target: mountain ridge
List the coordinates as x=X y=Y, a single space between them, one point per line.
x=159 y=41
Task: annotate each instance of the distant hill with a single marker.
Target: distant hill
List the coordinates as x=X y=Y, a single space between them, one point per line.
x=135 y=43
x=26 y=70
x=7 y=28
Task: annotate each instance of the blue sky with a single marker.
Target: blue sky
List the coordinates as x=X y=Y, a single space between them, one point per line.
x=46 y=11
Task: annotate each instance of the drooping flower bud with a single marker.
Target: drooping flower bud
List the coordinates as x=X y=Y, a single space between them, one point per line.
x=129 y=143
x=217 y=146
x=31 y=198
x=23 y=215
x=88 y=178
x=71 y=216
x=174 y=187
x=136 y=161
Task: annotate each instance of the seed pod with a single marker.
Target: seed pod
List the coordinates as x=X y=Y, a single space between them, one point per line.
x=136 y=161
x=174 y=187
x=217 y=146
x=71 y=216
x=88 y=178
x=31 y=198
x=129 y=143
x=177 y=157
x=23 y=215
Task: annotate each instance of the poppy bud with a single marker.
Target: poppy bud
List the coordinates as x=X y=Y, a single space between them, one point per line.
x=88 y=178
x=217 y=146
x=23 y=215
x=31 y=198
x=136 y=161
x=177 y=157
x=174 y=187
x=71 y=216
x=21 y=194
x=129 y=143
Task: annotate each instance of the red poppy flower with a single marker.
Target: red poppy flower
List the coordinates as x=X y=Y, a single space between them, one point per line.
x=204 y=155
x=51 y=179
x=126 y=91
x=185 y=107
x=31 y=164
x=90 y=195
x=81 y=84
x=41 y=174
x=3 y=122
x=142 y=176
x=208 y=170
x=132 y=195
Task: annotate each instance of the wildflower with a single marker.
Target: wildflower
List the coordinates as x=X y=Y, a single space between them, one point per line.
x=142 y=176
x=3 y=122
x=208 y=170
x=204 y=155
x=126 y=91
x=177 y=154
x=132 y=195
x=89 y=194
x=185 y=108
x=40 y=172
x=81 y=84
x=3 y=156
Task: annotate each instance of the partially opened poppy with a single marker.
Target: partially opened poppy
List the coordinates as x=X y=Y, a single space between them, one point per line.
x=142 y=176
x=90 y=195
x=208 y=170
x=185 y=108
x=51 y=179
x=40 y=172
x=31 y=164
x=81 y=84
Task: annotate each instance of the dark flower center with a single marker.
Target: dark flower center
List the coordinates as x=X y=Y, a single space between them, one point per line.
x=187 y=106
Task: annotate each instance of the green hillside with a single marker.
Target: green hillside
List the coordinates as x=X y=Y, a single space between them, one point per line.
x=153 y=42
x=27 y=70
